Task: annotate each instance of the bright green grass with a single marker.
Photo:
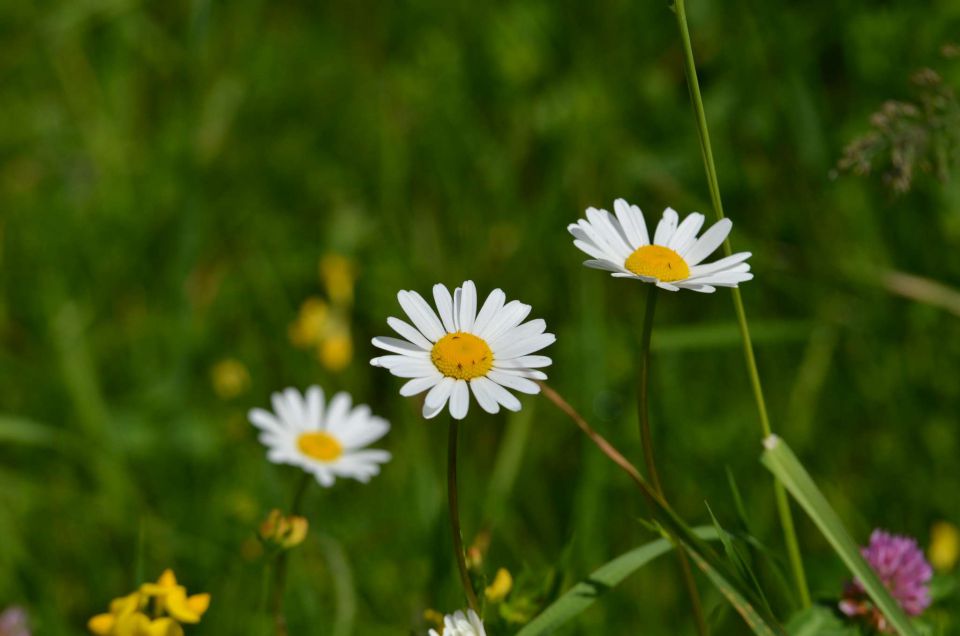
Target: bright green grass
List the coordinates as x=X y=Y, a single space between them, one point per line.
x=171 y=173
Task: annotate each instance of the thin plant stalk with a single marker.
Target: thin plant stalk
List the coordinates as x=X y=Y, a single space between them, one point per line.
x=646 y=439
x=674 y=529
x=454 y=508
x=280 y=569
x=783 y=505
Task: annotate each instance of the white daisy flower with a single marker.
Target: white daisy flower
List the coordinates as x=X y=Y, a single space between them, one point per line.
x=327 y=440
x=620 y=244
x=460 y=624
x=463 y=350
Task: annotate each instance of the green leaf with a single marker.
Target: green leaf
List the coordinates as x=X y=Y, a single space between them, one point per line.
x=762 y=626
x=736 y=559
x=819 y=621
x=781 y=461
x=586 y=592
x=19 y=430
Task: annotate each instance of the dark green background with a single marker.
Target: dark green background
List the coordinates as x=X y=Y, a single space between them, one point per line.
x=171 y=172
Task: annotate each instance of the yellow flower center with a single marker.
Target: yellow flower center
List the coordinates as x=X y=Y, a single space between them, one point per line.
x=320 y=446
x=462 y=355
x=658 y=262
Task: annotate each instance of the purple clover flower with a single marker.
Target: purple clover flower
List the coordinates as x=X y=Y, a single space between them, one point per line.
x=13 y=622
x=900 y=564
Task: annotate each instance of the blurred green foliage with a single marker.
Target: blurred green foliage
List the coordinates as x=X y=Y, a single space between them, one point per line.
x=171 y=173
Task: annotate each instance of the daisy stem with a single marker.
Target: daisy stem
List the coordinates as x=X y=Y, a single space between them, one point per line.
x=643 y=405
x=646 y=439
x=280 y=571
x=454 y=506
x=783 y=505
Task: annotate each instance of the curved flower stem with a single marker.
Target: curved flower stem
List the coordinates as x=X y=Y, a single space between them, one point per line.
x=649 y=493
x=280 y=571
x=783 y=505
x=646 y=439
x=454 y=509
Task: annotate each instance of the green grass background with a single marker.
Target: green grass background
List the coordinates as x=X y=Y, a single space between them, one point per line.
x=171 y=172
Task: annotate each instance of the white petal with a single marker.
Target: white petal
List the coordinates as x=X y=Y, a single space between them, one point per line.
x=491 y=307
x=484 y=395
x=338 y=409
x=421 y=315
x=459 y=400
x=314 y=407
x=599 y=234
x=394 y=360
x=666 y=227
x=724 y=279
x=636 y=232
x=716 y=266
x=468 y=306
x=324 y=476
x=504 y=397
x=440 y=393
x=526 y=346
x=441 y=296
x=611 y=231
x=703 y=289
x=686 y=234
x=667 y=286
x=530 y=374
x=605 y=265
x=403 y=347
x=596 y=252
x=419 y=385
x=524 y=331
x=707 y=243
x=284 y=411
x=265 y=421
x=457 y=297
x=509 y=317
x=409 y=332
x=524 y=362
x=513 y=382
x=359 y=435
x=430 y=412
x=412 y=368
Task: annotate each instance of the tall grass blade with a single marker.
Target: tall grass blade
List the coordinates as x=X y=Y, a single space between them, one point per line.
x=781 y=461
x=602 y=580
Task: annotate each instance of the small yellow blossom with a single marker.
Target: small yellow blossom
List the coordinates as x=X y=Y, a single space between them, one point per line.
x=944 y=550
x=433 y=617
x=338 y=274
x=501 y=586
x=311 y=323
x=336 y=351
x=128 y=615
x=284 y=532
x=172 y=598
x=230 y=378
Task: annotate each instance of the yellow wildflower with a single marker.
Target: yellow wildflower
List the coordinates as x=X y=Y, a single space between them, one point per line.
x=172 y=598
x=311 y=323
x=433 y=617
x=501 y=586
x=230 y=378
x=285 y=532
x=336 y=351
x=127 y=616
x=338 y=274
x=944 y=550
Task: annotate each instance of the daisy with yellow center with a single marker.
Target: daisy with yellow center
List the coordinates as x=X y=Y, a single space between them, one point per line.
x=620 y=245
x=327 y=440
x=463 y=351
